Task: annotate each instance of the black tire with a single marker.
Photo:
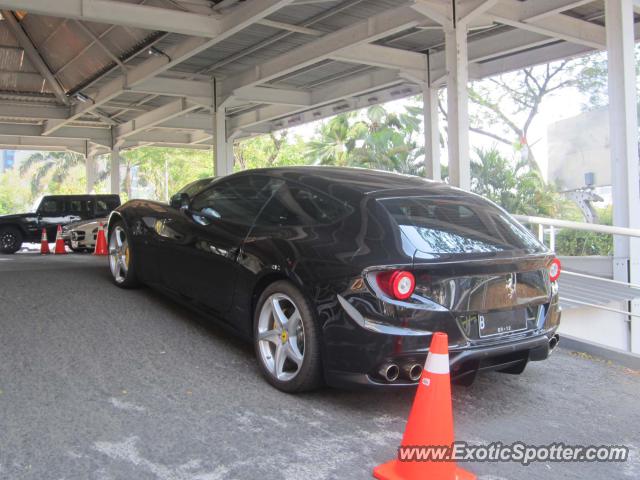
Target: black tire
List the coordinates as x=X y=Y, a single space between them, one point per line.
x=128 y=278
x=309 y=374
x=10 y=239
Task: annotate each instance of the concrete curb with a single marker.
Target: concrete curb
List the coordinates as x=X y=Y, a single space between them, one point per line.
x=627 y=359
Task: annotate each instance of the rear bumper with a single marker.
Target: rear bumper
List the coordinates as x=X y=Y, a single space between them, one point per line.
x=464 y=363
x=356 y=347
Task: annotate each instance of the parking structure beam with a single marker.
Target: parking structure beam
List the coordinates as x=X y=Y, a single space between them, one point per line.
x=623 y=124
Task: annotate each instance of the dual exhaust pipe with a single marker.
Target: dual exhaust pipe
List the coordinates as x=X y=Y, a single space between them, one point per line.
x=391 y=372
x=412 y=371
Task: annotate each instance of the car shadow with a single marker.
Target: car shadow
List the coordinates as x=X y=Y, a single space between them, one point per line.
x=357 y=400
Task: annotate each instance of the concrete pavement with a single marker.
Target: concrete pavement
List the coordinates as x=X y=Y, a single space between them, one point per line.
x=101 y=383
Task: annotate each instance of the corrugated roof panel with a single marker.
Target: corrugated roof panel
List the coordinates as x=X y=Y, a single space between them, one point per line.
x=292 y=14
x=319 y=73
x=93 y=60
x=6 y=38
x=62 y=46
x=14 y=60
x=590 y=11
x=416 y=40
x=17 y=74
x=22 y=82
x=71 y=53
x=41 y=28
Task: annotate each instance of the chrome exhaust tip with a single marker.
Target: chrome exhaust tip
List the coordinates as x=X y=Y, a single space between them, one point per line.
x=413 y=371
x=390 y=372
x=553 y=342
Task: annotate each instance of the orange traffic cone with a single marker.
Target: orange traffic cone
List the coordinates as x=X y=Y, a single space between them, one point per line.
x=44 y=243
x=101 y=242
x=60 y=249
x=430 y=422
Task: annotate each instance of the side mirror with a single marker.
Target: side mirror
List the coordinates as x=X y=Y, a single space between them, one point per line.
x=180 y=201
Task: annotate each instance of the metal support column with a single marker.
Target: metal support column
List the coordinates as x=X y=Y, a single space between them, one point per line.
x=115 y=170
x=624 y=147
x=223 y=149
x=431 y=133
x=457 y=105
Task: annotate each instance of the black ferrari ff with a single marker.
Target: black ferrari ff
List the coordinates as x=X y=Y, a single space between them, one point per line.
x=342 y=275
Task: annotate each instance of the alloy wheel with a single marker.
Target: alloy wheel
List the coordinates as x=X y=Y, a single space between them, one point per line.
x=8 y=240
x=119 y=254
x=281 y=338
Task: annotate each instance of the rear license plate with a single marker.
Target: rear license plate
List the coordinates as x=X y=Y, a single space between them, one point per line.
x=498 y=323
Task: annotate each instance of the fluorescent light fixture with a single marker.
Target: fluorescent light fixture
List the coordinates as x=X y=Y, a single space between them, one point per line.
x=82 y=98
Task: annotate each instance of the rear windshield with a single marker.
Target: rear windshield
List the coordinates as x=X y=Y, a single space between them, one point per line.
x=450 y=225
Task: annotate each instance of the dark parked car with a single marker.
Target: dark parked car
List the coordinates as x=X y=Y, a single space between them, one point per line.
x=53 y=210
x=342 y=275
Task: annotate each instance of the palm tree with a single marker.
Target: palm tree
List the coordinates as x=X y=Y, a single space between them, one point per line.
x=389 y=143
x=337 y=141
x=378 y=139
x=49 y=166
x=55 y=167
x=515 y=186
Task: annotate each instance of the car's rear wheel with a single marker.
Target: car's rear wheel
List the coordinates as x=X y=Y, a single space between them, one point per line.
x=287 y=340
x=10 y=239
x=121 y=257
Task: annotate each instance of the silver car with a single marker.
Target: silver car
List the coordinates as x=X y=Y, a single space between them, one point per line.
x=81 y=236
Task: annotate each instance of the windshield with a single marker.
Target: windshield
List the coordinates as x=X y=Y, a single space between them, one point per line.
x=449 y=225
x=193 y=188
x=36 y=203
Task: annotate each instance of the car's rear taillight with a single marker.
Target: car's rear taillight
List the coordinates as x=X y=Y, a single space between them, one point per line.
x=554 y=270
x=398 y=284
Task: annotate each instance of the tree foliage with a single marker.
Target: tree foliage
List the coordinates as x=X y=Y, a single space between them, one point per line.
x=577 y=243
x=514 y=185
x=50 y=169
x=15 y=196
x=147 y=165
x=376 y=138
x=276 y=149
x=505 y=106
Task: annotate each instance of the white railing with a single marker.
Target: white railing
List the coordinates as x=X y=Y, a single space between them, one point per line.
x=588 y=227
x=554 y=224
x=609 y=290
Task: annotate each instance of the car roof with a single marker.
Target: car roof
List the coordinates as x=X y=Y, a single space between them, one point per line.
x=361 y=180
x=82 y=196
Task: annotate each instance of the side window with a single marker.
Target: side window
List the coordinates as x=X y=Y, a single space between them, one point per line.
x=75 y=207
x=297 y=205
x=237 y=200
x=112 y=204
x=50 y=206
x=102 y=207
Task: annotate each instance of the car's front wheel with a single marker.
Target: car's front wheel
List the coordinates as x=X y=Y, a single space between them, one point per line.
x=121 y=257
x=10 y=239
x=286 y=339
